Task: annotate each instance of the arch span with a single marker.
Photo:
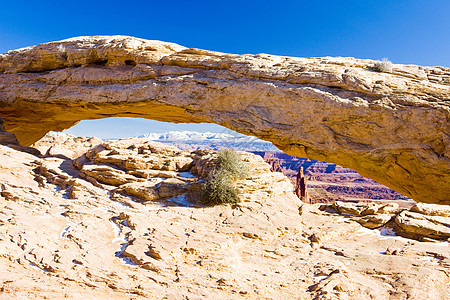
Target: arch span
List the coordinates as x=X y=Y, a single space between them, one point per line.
x=390 y=127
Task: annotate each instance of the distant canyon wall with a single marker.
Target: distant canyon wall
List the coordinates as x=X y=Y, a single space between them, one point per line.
x=391 y=127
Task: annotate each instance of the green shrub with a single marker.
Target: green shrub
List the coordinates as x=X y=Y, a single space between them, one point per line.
x=383 y=65
x=220 y=185
x=218 y=189
x=230 y=161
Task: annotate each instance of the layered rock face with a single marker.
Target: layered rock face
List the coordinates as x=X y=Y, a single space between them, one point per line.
x=390 y=127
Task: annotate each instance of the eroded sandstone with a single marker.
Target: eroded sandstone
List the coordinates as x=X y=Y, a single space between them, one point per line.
x=390 y=127
x=62 y=236
x=428 y=222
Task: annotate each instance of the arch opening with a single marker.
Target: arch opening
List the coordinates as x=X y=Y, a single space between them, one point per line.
x=326 y=182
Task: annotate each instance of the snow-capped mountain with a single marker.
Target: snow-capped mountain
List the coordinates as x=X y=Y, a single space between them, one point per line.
x=208 y=140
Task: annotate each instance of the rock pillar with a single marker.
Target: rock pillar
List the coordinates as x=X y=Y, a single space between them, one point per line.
x=300 y=187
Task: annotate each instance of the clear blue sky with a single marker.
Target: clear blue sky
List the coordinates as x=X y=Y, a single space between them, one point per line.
x=410 y=32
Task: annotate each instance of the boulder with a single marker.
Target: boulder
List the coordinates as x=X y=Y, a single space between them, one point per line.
x=365 y=208
x=147 y=191
x=432 y=209
x=419 y=225
x=65 y=145
x=107 y=174
x=352 y=208
x=171 y=187
x=373 y=221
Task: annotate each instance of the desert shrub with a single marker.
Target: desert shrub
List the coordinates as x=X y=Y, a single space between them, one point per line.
x=62 y=52
x=219 y=187
x=230 y=161
x=383 y=65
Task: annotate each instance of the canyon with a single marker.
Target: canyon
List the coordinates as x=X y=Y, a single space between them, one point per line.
x=390 y=127
x=329 y=182
x=326 y=182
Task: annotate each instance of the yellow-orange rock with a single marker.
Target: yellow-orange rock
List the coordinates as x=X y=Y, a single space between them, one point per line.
x=390 y=127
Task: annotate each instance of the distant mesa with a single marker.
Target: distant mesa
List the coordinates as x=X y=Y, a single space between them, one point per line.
x=390 y=127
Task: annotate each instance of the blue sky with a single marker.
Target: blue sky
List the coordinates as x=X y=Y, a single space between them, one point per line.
x=409 y=32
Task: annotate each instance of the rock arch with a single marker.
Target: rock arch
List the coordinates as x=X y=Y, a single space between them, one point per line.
x=391 y=127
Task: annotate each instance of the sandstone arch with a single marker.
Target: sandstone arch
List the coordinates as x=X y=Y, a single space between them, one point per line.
x=392 y=127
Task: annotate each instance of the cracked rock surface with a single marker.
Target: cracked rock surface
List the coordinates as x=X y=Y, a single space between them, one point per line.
x=390 y=127
x=68 y=235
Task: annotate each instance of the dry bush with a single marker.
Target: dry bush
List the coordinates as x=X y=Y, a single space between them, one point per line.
x=220 y=185
x=218 y=189
x=230 y=161
x=384 y=66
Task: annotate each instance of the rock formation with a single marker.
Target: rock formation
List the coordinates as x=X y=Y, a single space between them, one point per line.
x=72 y=229
x=390 y=127
x=65 y=145
x=426 y=222
x=328 y=182
x=274 y=165
x=301 y=187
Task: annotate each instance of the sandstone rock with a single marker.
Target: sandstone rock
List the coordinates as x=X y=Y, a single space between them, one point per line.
x=390 y=208
x=432 y=209
x=366 y=208
x=374 y=221
x=107 y=175
x=115 y=163
x=140 y=154
x=63 y=237
x=153 y=173
x=418 y=225
x=352 y=208
x=342 y=284
x=118 y=163
x=146 y=191
x=423 y=222
x=389 y=127
x=301 y=187
x=204 y=162
x=59 y=151
x=65 y=145
x=171 y=187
